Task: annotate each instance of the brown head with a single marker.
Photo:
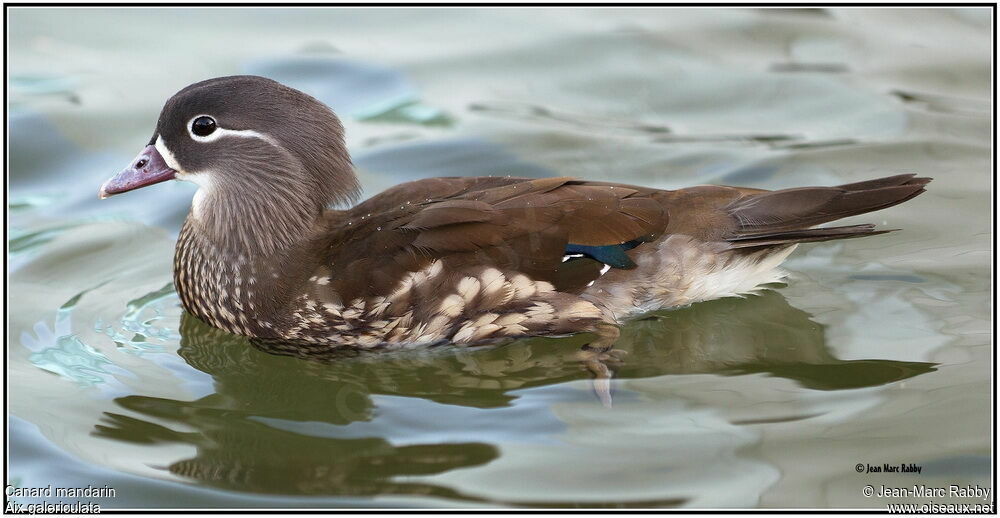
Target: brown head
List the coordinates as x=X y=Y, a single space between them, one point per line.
x=268 y=160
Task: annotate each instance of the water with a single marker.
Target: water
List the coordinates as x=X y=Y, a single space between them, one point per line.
x=877 y=351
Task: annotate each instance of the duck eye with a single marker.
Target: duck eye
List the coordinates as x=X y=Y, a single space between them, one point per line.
x=203 y=126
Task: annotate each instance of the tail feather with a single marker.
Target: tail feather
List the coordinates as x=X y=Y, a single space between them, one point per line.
x=786 y=216
x=888 y=181
x=806 y=236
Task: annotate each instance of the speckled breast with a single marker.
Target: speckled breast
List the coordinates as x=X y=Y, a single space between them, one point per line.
x=221 y=290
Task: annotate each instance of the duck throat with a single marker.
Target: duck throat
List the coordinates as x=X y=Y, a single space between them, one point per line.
x=251 y=217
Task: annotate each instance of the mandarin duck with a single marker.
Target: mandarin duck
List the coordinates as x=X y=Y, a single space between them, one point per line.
x=447 y=260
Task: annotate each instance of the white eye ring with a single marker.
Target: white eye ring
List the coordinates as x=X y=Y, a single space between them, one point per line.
x=214 y=135
x=223 y=132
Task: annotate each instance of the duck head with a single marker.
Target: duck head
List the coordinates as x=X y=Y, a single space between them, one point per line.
x=260 y=152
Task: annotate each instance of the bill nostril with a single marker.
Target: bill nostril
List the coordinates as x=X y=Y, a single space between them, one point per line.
x=141 y=163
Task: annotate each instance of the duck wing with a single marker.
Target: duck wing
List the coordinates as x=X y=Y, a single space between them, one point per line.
x=560 y=230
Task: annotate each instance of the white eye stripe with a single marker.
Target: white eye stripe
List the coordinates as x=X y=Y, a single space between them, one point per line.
x=223 y=132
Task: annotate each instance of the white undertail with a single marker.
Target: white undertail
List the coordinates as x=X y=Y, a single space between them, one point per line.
x=685 y=271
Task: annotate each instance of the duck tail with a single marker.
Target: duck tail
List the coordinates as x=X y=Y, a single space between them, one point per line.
x=786 y=216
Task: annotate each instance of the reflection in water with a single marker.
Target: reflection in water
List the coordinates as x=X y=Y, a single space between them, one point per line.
x=755 y=335
x=236 y=452
x=280 y=425
x=239 y=449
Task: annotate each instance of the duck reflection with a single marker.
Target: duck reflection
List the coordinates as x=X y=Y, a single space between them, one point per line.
x=280 y=424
